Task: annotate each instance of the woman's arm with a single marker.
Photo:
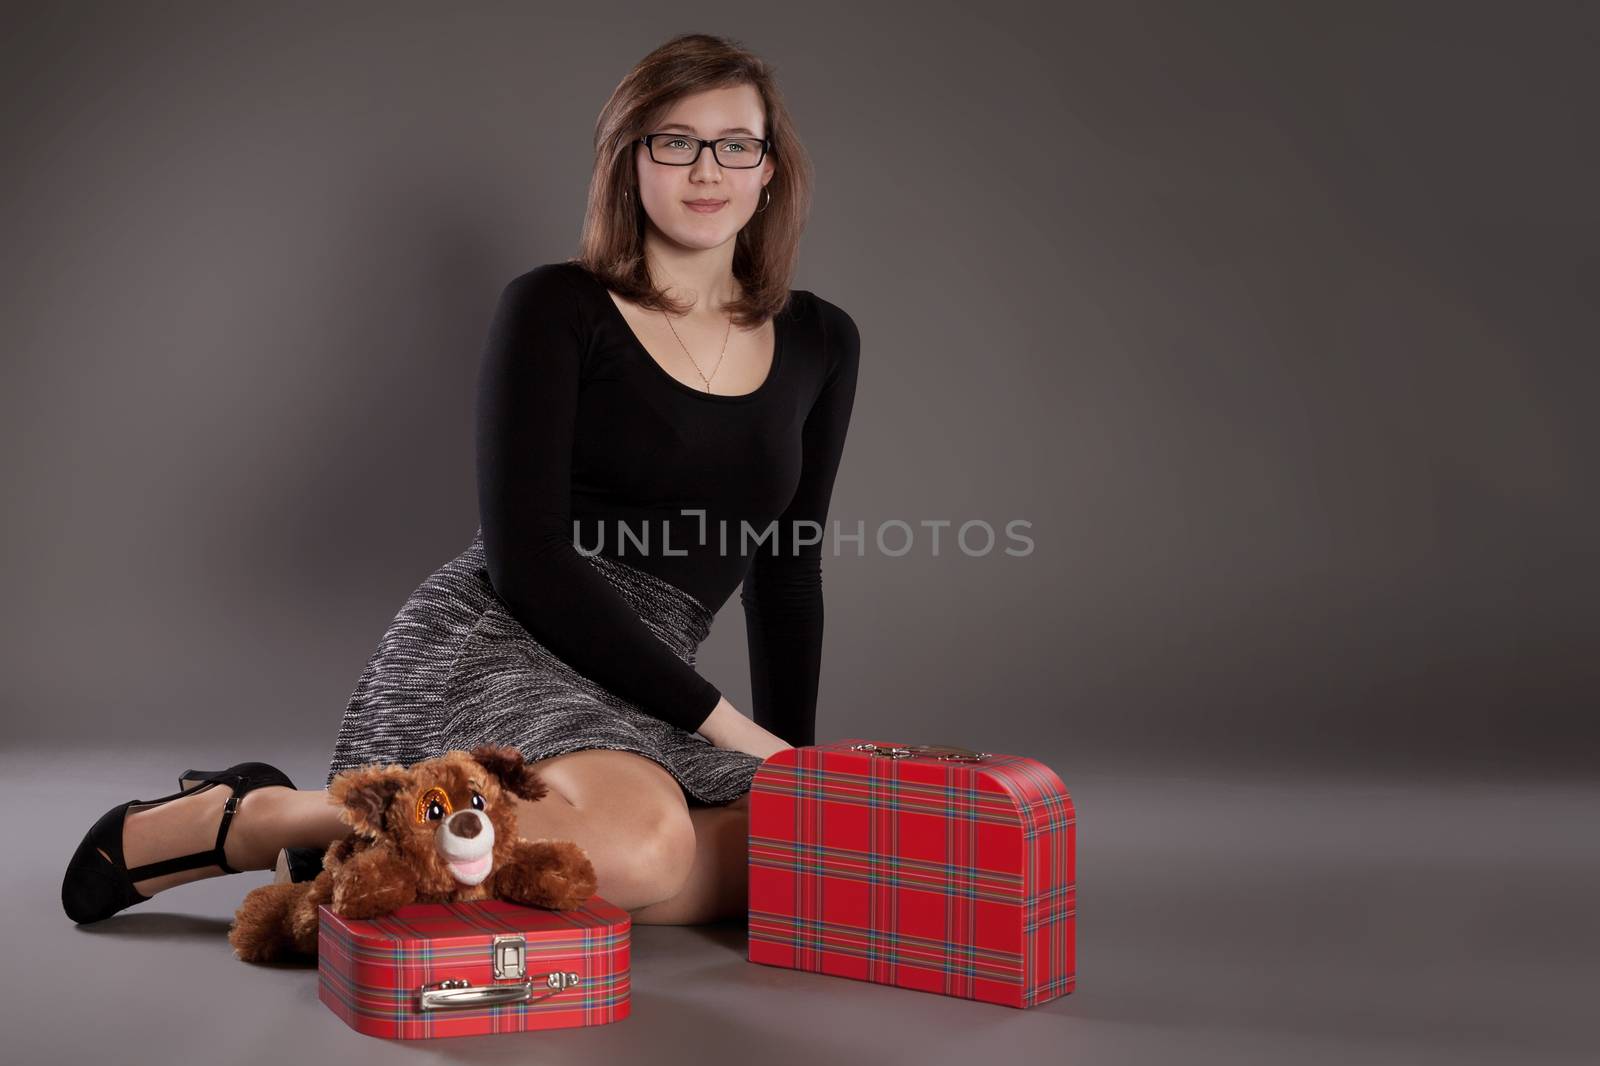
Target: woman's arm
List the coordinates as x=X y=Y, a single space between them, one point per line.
x=782 y=591
x=525 y=416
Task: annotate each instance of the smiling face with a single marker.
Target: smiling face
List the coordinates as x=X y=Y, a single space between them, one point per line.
x=452 y=817
x=667 y=191
x=463 y=838
x=448 y=819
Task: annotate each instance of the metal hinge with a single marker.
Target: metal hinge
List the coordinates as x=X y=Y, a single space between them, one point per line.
x=934 y=751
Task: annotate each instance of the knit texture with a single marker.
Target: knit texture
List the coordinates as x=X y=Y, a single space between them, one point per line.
x=454 y=669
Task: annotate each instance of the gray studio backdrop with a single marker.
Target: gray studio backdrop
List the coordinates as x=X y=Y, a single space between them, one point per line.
x=1275 y=323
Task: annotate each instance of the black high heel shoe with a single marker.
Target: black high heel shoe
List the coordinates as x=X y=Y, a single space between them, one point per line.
x=96 y=887
x=298 y=864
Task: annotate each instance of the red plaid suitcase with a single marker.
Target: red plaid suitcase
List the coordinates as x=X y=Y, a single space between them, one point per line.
x=930 y=868
x=461 y=969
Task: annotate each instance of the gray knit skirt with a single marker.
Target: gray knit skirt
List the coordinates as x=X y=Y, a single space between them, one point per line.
x=455 y=669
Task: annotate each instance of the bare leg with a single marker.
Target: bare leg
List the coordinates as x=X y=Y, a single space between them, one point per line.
x=718 y=885
x=648 y=846
x=630 y=874
x=268 y=819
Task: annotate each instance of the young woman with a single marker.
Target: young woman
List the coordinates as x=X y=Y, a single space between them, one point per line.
x=659 y=421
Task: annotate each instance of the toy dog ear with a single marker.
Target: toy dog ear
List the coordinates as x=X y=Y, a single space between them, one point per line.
x=513 y=773
x=365 y=793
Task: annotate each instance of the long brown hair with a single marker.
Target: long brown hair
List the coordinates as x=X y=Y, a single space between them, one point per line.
x=765 y=251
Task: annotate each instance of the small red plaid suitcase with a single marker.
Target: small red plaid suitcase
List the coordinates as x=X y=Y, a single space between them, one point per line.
x=461 y=969
x=931 y=868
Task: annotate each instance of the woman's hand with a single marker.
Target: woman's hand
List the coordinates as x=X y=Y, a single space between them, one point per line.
x=725 y=727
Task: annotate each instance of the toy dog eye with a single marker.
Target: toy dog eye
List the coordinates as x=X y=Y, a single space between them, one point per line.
x=432 y=805
x=477 y=802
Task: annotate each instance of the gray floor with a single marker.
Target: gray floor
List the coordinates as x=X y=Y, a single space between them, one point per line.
x=1224 y=917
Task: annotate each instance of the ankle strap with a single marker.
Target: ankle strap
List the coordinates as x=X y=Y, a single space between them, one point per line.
x=215 y=857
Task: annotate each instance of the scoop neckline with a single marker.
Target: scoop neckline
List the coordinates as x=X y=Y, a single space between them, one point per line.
x=644 y=353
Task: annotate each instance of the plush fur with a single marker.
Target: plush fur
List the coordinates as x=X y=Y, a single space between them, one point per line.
x=401 y=845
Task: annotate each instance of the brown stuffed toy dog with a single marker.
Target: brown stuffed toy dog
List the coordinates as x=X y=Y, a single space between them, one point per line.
x=443 y=831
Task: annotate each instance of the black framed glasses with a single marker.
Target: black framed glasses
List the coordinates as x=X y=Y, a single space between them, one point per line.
x=681 y=150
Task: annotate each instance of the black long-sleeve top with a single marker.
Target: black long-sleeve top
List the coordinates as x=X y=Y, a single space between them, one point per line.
x=580 y=432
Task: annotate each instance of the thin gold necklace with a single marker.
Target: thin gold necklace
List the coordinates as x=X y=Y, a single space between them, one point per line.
x=686 y=351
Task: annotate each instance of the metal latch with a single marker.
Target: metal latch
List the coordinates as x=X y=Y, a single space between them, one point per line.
x=508 y=957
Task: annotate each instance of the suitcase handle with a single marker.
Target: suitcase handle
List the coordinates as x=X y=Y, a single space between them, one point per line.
x=460 y=993
x=933 y=751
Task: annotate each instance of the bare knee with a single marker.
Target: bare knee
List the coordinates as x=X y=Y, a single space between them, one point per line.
x=645 y=859
x=629 y=815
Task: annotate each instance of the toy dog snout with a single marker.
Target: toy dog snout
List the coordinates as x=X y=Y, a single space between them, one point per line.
x=466 y=842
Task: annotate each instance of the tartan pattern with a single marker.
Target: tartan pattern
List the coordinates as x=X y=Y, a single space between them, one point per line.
x=949 y=877
x=371 y=971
